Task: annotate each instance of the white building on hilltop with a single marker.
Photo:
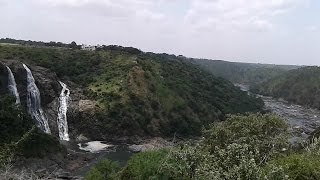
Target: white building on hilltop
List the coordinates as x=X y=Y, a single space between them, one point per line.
x=88 y=47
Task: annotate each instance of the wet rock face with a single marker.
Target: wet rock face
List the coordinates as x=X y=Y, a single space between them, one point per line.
x=86 y=105
x=20 y=76
x=47 y=83
x=51 y=111
x=3 y=79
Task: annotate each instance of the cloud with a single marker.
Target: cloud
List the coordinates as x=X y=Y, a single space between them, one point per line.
x=218 y=29
x=3 y=3
x=312 y=28
x=238 y=14
x=107 y=8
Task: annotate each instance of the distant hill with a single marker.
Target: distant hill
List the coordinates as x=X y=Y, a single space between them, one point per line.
x=245 y=73
x=301 y=86
x=10 y=41
x=137 y=93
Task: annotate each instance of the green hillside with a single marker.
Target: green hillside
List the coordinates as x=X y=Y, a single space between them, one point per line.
x=140 y=93
x=301 y=86
x=244 y=73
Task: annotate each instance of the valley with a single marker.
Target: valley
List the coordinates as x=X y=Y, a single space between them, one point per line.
x=118 y=109
x=159 y=90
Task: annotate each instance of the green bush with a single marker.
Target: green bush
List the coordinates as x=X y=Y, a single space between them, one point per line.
x=302 y=165
x=234 y=162
x=95 y=174
x=234 y=149
x=14 y=121
x=6 y=153
x=37 y=144
x=104 y=169
x=297 y=166
x=266 y=132
x=144 y=165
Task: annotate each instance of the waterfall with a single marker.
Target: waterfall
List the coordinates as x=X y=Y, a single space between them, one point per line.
x=62 y=112
x=12 y=86
x=34 y=103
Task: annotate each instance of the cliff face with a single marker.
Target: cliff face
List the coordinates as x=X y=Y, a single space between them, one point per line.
x=49 y=87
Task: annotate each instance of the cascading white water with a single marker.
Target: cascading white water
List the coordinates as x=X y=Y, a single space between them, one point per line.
x=34 y=103
x=62 y=112
x=12 y=86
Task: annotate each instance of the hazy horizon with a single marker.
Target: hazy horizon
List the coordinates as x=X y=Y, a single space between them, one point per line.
x=254 y=31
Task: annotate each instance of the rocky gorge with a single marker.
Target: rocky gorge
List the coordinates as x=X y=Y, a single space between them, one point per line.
x=82 y=153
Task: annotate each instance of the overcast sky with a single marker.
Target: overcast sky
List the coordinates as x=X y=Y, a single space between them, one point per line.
x=264 y=31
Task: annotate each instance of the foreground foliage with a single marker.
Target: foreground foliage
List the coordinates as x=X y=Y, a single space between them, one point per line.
x=234 y=149
x=251 y=147
x=238 y=148
x=144 y=165
x=105 y=169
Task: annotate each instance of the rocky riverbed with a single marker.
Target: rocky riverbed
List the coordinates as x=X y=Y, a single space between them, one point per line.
x=302 y=121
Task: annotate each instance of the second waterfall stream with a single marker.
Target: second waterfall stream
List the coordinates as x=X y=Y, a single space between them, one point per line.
x=34 y=103
x=12 y=86
x=62 y=112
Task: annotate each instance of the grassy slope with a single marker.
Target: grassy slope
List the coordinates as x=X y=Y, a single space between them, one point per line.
x=141 y=93
x=301 y=86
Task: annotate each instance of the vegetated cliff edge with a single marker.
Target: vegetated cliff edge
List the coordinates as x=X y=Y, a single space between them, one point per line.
x=120 y=91
x=243 y=73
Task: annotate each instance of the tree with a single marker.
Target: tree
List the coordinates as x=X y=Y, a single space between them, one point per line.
x=73 y=45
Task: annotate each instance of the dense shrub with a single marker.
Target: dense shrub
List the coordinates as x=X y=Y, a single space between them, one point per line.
x=37 y=144
x=14 y=124
x=234 y=162
x=18 y=135
x=264 y=132
x=234 y=149
x=301 y=166
x=14 y=121
x=144 y=165
x=105 y=169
